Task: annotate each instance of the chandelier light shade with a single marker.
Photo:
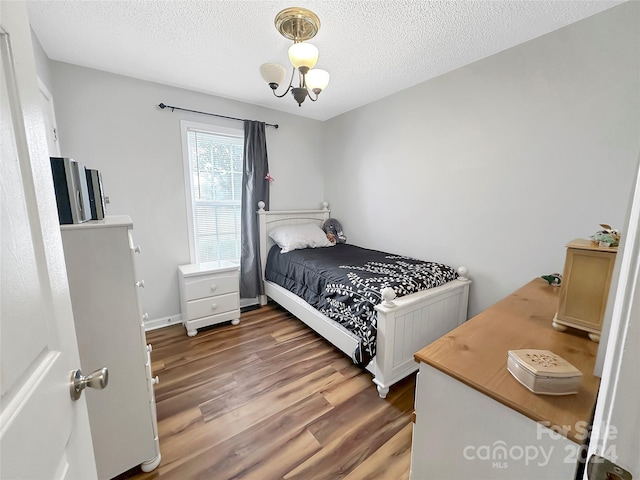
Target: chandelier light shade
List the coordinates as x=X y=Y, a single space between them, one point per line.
x=317 y=80
x=303 y=56
x=273 y=73
x=299 y=25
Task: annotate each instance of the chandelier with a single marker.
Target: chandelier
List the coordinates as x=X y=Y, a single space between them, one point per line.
x=297 y=24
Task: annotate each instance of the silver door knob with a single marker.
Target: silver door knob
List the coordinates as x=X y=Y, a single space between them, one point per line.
x=98 y=380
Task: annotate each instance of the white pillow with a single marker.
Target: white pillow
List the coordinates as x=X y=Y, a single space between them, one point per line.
x=294 y=237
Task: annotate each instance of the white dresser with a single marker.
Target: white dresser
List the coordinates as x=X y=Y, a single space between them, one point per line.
x=209 y=294
x=109 y=323
x=474 y=420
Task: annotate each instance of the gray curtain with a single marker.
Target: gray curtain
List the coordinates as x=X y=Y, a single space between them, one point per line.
x=255 y=187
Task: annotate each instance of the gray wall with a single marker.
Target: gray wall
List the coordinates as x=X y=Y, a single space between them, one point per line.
x=494 y=166
x=499 y=164
x=112 y=123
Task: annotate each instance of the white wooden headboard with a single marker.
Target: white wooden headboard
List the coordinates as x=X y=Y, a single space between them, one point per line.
x=268 y=220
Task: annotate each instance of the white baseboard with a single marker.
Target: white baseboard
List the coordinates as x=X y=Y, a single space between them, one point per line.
x=162 y=322
x=248 y=302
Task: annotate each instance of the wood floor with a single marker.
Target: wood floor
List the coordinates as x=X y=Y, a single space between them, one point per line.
x=270 y=399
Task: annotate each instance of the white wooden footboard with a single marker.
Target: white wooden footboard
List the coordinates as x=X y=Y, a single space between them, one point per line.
x=405 y=325
x=409 y=323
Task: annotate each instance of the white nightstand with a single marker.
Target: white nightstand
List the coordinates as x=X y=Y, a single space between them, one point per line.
x=209 y=294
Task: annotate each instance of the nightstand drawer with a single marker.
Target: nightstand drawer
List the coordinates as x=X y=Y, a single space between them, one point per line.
x=212 y=285
x=212 y=305
x=193 y=325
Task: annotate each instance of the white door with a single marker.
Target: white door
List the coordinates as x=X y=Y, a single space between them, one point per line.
x=616 y=426
x=49 y=117
x=43 y=433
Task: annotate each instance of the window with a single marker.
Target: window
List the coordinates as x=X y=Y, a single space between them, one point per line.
x=213 y=180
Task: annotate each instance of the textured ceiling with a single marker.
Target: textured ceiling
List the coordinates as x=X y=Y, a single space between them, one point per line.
x=371 y=48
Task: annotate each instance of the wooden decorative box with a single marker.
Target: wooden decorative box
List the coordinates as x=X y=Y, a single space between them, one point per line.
x=544 y=372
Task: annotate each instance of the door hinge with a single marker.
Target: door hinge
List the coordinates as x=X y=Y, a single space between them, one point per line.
x=599 y=468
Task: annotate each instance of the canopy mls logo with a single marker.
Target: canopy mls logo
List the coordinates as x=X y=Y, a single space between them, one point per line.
x=502 y=455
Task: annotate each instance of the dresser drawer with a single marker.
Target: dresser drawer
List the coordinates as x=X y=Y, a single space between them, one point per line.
x=212 y=305
x=212 y=285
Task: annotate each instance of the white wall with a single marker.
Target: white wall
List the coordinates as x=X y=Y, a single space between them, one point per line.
x=42 y=61
x=499 y=164
x=112 y=123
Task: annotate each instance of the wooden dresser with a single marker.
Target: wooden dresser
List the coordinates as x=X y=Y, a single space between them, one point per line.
x=474 y=420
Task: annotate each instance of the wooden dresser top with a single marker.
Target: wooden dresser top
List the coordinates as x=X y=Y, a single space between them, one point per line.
x=475 y=353
x=583 y=244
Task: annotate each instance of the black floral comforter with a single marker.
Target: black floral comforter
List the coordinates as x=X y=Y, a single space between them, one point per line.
x=344 y=283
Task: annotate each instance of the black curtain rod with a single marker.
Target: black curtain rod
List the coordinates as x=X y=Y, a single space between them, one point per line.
x=163 y=106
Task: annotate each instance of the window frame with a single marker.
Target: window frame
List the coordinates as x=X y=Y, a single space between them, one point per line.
x=213 y=129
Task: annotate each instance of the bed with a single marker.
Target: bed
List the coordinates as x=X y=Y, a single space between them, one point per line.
x=404 y=325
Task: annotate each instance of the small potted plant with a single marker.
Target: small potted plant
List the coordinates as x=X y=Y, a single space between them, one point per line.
x=607 y=237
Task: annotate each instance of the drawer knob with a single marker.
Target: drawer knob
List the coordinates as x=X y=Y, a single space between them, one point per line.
x=149 y=348
x=140 y=283
x=145 y=316
x=155 y=380
x=137 y=249
x=213 y=287
x=214 y=306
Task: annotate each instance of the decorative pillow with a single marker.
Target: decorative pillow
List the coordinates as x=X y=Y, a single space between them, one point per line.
x=295 y=237
x=333 y=230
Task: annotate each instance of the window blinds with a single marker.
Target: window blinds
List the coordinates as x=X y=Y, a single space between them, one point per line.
x=216 y=179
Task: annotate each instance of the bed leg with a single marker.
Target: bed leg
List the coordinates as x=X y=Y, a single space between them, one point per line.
x=382 y=391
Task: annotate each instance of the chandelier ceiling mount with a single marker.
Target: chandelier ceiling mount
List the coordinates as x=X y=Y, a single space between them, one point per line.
x=297 y=24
